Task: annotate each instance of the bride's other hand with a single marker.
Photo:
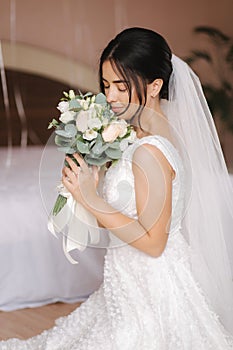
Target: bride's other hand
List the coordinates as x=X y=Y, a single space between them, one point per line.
x=81 y=181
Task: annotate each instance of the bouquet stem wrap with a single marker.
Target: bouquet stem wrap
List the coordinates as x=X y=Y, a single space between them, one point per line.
x=81 y=224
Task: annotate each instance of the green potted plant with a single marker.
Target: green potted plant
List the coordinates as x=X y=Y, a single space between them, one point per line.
x=217 y=57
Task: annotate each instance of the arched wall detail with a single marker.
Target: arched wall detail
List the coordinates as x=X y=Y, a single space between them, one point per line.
x=49 y=64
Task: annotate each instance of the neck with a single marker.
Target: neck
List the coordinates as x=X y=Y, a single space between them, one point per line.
x=152 y=122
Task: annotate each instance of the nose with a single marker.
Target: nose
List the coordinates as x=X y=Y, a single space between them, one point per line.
x=111 y=94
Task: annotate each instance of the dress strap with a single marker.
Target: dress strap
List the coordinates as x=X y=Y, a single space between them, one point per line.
x=164 y=145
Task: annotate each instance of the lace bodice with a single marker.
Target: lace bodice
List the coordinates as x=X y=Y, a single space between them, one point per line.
x=118 y=187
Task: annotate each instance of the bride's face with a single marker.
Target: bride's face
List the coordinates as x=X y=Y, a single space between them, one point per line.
x=117 y=94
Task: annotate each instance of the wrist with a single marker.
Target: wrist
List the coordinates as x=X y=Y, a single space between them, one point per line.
x=90 y=200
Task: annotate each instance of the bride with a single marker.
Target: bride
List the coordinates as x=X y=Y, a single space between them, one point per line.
x=167 y=275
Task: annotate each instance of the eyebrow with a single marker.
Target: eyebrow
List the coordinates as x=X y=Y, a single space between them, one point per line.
x=116 y=81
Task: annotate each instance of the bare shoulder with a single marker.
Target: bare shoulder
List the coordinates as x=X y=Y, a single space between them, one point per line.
x=151 y=154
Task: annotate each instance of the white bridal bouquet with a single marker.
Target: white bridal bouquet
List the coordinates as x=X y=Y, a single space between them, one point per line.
x=88 y=126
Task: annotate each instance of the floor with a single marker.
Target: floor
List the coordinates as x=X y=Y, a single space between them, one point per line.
x=26 y=323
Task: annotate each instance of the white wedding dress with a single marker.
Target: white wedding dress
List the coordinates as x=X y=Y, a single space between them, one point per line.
x=144 y=303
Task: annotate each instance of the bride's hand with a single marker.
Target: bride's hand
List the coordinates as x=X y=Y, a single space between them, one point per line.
x=81 y=181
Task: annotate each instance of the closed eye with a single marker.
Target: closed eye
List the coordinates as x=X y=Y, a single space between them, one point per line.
x=123 y=89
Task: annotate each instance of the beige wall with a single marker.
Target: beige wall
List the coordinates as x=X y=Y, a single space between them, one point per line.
x=78 y=30
x=81 y=28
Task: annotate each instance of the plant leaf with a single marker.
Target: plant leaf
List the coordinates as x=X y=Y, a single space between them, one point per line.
x=61 y=141
x=82 y=147
x=64 y=134
x=214 y=33
x=59 y=204
x=97 y=161
x=73 y=104
x=71 y=129
x=114 y=145
x=100 y=99
x=113 y=153
x=202 y=54
x=68 y=150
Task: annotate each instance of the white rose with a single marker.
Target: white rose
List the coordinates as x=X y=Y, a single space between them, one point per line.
x=67 y=116
x=92 y=112
x=132 y=137
x=82 y=121
x=63 y=106
x=90 y=135
x=111 y=132
x=123 y=144
x=123 y=126
x=94 y=123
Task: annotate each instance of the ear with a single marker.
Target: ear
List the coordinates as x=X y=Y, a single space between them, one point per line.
x=155 y=87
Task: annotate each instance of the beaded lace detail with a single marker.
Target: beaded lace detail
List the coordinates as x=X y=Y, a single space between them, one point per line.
x=144 y=302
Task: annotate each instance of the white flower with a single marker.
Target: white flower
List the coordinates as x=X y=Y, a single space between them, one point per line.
x=94 y=123
x=93 y=99
x=132 y=136
x=111 y=132
x=85 y=103
x=90 y=135
x=92 y=112
x=62 y=190
x=123 y=126
x=67 y=116
x=71 y=94
x=63 y=106
x=82 y=121
x=123 y=144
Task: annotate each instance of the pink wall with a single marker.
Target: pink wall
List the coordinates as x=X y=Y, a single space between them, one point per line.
x=81 y=28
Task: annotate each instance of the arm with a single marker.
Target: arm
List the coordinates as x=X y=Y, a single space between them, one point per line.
x=153 y=188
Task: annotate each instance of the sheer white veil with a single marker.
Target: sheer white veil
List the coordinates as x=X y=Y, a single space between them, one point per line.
x=208 y=218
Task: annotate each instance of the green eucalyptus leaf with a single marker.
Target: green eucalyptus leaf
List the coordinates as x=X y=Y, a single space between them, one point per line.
x=71 y=129
x=113 y=153
x=73 y=104
x=63 y=133
x=114 y=145
x=100 y=99
x=96 y=161
x=99 y=148
x=61 y=141
x=82 y=148
x=68 y=150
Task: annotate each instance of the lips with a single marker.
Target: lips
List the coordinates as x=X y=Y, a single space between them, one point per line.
x=117 y=109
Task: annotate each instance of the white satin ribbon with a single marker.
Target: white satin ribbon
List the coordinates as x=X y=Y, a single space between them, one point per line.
x=80 y=223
